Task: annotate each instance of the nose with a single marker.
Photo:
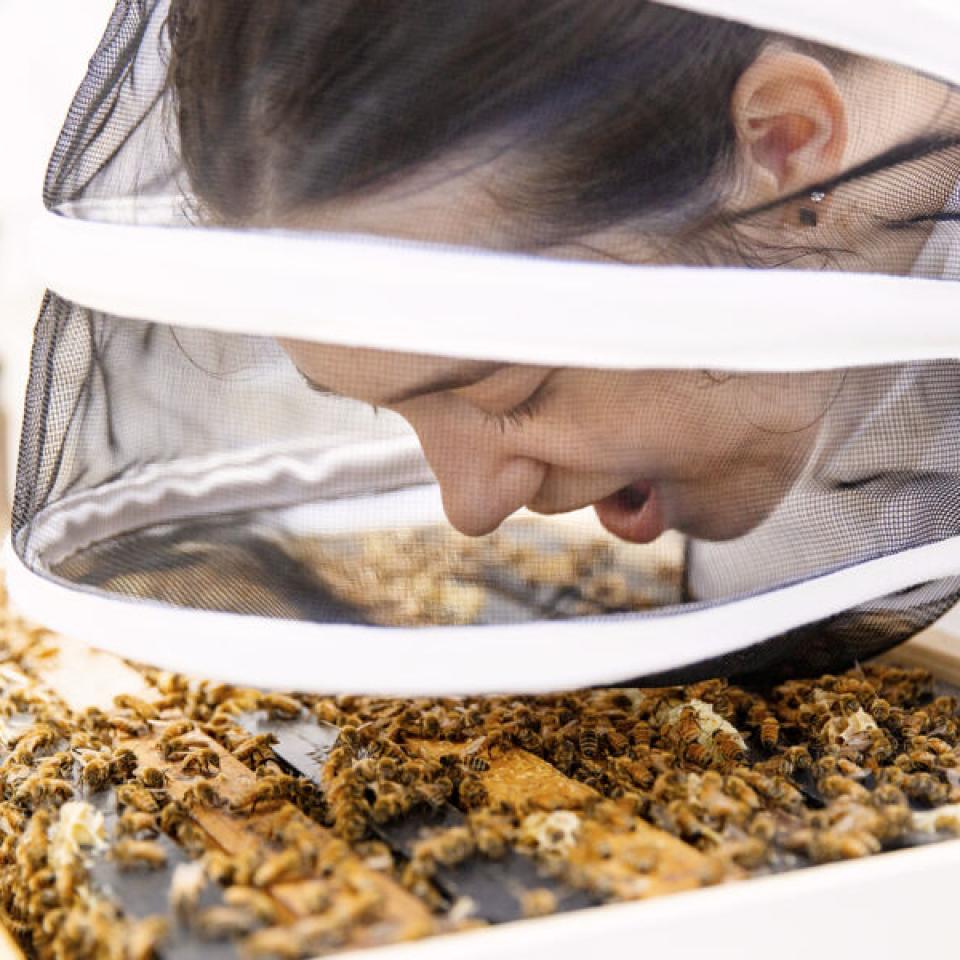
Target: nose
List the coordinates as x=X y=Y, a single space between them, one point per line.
x=483 y=475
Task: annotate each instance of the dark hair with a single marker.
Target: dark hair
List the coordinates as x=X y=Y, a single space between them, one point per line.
x=616 y=112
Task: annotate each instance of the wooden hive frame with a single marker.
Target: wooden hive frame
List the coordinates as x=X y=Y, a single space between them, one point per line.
x=82 y=678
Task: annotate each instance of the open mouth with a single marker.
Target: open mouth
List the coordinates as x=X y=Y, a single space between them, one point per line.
x=632 y=513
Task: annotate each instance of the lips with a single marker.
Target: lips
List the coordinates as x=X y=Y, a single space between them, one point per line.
x=632 y=513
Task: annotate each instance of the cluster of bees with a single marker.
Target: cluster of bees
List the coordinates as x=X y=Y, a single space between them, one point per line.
x=808 y=771
x=433 y=575
x=753 y=780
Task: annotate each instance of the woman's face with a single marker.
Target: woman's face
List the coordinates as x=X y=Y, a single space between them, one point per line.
x=650 y=450
x=708 y=455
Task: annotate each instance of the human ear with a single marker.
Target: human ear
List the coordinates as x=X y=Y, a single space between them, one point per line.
x=791 y=121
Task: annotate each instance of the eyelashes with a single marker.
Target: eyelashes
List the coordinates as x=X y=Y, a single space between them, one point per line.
x=516 y=416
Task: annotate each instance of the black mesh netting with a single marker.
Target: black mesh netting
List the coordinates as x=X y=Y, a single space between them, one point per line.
x=214 y=472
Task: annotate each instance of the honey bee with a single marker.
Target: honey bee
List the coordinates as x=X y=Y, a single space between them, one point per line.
x=387 y=768
x=36 y=789
x=879 y=709
x=728 y=748
x=94 y=720
x=886 y=794
x=698 y=754
x=12 y=820
x=96 y=773
x=122 y=765
x=927 y=789
x=473 y=793
x=742 y=792
x=168 y=682
x=267 y=790
x=172 y=815
x=176 y=729
x=52 y=922
x=538 y=902
x=477 y=764
x=350 y=735
x=686 y=821
x=281 y=706
x=351 y=820
x=276 y=943
x=136 y=796
x=610 y=590
x=224 y=922
x=413 y=771
x=589 y=740
x=41 y=878
x=135 y=853
x=492 y=833
x=923 y=760
x=202 y=762
x=840 y=786
x=178 y=748
x=798 y=758
x=56 y=765
x=82 y=740
x=36 y=738
x=448 y=847
x=915 y=723
x=222 y=727
x=261 y=905
x=32 y=849
x=201 y=794
x=143 y=938
x=286 y=865
x=641 y=735
x=127 y=726
x=145 y=711
x=936 y=745
x=830 y=845
x=136 y=821
x=529 y=740
x=686 y=728
x=192 y=838
x=326 y=711
x=769 y=731
x=436 y=793
x=225 y=869
x=153 y=778
x=389 y=806
x=617 y=743
x=255 y=749
x=366 y=769
x=429 y=726
x=763 y=826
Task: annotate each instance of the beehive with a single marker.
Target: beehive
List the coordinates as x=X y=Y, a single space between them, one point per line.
x=147 y=810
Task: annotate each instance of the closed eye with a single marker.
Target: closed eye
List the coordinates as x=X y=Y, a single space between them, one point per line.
x=521 y=413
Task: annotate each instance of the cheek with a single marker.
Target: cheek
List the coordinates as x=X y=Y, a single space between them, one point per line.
x=789 y=402
x=618 y=419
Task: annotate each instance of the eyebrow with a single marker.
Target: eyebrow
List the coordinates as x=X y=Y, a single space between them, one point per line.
x=448 y=381
x=437 y=384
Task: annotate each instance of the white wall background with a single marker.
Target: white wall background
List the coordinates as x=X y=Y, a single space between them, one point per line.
x=44 y=47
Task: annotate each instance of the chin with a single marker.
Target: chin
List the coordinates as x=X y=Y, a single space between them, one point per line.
x=720 y=525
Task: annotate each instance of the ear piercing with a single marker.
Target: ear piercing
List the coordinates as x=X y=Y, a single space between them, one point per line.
x=808 y=215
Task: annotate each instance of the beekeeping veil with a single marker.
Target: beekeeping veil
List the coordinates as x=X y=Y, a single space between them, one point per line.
x=185 y=498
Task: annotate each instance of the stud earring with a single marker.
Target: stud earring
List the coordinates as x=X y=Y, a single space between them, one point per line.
x=808 y=216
